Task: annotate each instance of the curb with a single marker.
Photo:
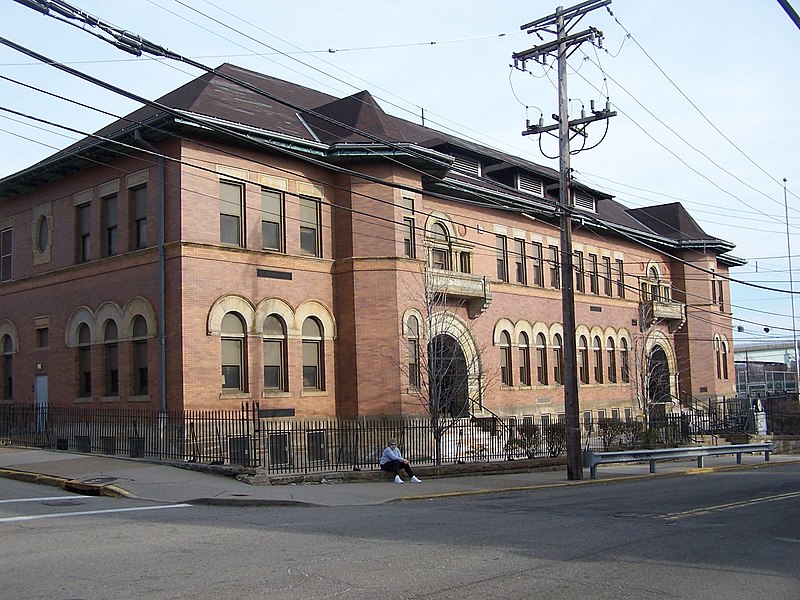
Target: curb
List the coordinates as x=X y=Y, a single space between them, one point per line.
x=69 y=485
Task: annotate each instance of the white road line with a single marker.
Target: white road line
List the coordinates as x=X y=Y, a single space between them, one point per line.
x=48 y=499
x=81 y=513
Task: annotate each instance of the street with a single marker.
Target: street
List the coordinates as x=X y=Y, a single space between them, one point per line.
x=732 y=534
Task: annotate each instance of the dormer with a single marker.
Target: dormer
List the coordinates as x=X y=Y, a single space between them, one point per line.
x=467 y=165
x=584 y=202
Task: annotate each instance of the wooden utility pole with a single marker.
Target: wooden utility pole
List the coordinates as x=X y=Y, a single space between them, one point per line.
x=562 y=19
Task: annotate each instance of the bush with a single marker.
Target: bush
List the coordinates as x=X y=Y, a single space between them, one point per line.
x=556 y=439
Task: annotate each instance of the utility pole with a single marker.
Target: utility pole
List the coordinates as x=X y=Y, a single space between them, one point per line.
x=564 y=20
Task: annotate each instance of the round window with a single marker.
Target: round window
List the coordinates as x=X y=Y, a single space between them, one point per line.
x=42 y=235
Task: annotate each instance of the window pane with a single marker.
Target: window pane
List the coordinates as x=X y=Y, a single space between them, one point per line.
x=231 y=352
x=229 y=230
x=308 y=241
x=271 y=220
x=311 y=329
x=270 y=235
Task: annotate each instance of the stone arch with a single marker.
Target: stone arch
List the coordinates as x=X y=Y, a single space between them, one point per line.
x=445 y=323
x=440 y=217
x=135 y=307
x=501 y=326
x=413 y=312
x=273 y=306
x=313 y=308
x=226 y=304
x=108 y=311
x=655 y=339
x=81 y=315
x=522 y=326
x=8 y=328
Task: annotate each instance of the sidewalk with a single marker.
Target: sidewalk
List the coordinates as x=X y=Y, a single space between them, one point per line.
x=112 y=476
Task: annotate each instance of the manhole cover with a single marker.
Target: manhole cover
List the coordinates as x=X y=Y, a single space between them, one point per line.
x=99 y=480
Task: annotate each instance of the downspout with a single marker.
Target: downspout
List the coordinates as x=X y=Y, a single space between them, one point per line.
x=162 y=328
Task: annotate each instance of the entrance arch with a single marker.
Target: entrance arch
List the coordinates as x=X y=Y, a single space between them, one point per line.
x=658 y=382
x=449 y=384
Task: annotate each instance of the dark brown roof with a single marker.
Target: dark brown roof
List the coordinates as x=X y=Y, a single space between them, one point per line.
x=274 y=105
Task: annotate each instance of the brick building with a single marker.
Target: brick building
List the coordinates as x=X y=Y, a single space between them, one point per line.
x=321 y=257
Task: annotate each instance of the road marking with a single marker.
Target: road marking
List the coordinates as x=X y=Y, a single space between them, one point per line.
x=730 y=506
x=82 y=513
x=48 y=499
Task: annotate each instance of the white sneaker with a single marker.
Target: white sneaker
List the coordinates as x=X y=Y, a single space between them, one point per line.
x=397 y=479
x=416 y=479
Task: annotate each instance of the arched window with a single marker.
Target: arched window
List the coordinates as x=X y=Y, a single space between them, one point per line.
x=597 y=351
x=412 y=338
x=612 y=360
x=8 y=367
x=275 y=377
x=653 y=276
x=440 y=247
x=524 y=360
x=558 y=360
x=724 y=359
x=233 y=358
x=313 y=353
x=541 y=359
x=139 y=342
x=624 y=361
x=718 y=356
x=505 y=359
x=84 y=361
x=111 y=357
x=583 y=360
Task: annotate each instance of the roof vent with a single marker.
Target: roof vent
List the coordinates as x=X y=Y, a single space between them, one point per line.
x=585 y=202
x=468 y=166
x=528 y=184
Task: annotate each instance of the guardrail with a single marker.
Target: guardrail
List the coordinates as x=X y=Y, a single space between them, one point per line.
x=592 y=459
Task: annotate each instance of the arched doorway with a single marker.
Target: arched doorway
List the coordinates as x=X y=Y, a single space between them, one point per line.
x=449 y=386
x=658 y=388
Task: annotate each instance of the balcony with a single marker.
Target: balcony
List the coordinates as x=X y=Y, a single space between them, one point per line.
x=660 y=311
x=474 y=289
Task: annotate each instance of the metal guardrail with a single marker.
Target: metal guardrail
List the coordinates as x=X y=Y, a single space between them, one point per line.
x=592 y=459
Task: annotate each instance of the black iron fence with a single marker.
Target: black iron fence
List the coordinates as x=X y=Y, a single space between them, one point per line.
x=290 y=445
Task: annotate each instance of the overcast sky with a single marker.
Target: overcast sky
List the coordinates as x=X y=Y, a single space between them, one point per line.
x=684 y=75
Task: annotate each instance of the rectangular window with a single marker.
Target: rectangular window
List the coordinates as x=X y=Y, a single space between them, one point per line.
x=720 y=296
x=519 y=262
x=587 y=419
x=42 y=337
x=138 y=207
x=536 y=260
x=413 y=364
x=615 y=414
x=310 y=240
x=580 y=282
x=465 y=262
x=607 y=287
x=273 y=365
x=231 y=196
x=409 y=245
x=5 y=254
x=271 y=220
x=440 y=259
x=594 y=276
x=501 y=245
x=85 y=371
x=84 y=232
x=629 y=414
x=312 y=363
x=140 y=368
x=232 y=359
x=620 y=278
x=110 y=222
x=555 y=268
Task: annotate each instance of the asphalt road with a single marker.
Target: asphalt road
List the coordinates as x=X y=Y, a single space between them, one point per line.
x=728 y=535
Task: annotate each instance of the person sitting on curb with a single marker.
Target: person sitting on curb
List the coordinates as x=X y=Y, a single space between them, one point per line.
x=392 y=460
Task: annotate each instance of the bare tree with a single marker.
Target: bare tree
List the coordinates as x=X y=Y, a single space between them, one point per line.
x=445 y=369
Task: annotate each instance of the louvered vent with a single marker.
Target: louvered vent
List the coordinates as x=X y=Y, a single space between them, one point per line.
x=585 y=202
x=468 y=166
x=528 y=184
